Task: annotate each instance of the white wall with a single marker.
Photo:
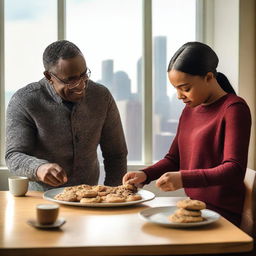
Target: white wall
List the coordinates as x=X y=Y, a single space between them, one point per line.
x=226 y=38
x=229 y=28
x=247 y=66
x=4 y=174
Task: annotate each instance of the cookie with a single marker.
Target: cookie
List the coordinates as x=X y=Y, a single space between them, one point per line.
x=184 y=219
x=86 y=193
x=128 y=187
x=103 y=190
x=87 y=200
x=133 y=198
x=190 y=204
x=104 y=193
x=182 y=211
x=123 y=192
x=99 y=188
x=69 y=196
x=113 y=198
x=82 y=187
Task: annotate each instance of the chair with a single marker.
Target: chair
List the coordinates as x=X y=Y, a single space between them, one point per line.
x=248 y=223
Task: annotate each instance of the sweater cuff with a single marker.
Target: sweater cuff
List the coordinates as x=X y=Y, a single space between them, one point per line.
x=33 y=167
x=188 y=178
x=148 y=180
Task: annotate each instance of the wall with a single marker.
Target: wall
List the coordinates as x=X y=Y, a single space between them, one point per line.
x=226 y=38
x=247 y=66
x=229 y=27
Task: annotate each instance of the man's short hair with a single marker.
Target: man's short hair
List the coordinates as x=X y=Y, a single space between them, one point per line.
x=61 y=49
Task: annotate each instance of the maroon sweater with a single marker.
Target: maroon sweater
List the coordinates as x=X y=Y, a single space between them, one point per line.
x=210 y=150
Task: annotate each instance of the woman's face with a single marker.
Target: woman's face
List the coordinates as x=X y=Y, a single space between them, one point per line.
x=192 y=90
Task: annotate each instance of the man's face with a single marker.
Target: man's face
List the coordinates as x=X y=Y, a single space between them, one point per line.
x=69 y=78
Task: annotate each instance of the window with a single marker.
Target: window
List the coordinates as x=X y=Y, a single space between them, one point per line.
x=29 y=27
x=174 y=23
x=111 y=38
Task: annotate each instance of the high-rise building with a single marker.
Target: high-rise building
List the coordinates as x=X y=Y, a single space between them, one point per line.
x=162 y=106
x=139 y=77
x=161 y=99
x=160 y=89
x=107 y=73
x=121 y=86
x=131 y=115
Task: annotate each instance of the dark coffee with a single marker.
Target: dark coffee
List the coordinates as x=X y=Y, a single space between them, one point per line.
x=47 y=213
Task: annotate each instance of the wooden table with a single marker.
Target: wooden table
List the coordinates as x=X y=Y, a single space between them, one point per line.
x=109 y=231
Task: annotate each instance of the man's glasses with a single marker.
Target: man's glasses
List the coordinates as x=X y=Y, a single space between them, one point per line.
x=74 y=82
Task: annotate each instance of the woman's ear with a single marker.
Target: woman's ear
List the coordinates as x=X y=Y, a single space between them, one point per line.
x=209 y=76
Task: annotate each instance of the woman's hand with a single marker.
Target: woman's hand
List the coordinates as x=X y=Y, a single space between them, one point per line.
x=134 y=178
x=170 y=181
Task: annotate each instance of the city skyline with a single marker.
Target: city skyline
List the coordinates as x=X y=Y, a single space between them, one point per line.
x=166 y=109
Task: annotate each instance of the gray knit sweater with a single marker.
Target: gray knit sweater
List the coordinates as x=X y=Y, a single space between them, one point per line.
x=41 y=129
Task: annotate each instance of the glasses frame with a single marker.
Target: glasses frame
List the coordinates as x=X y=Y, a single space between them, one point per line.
x=85 y=76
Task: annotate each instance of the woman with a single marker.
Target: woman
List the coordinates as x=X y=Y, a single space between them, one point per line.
x=208 y=156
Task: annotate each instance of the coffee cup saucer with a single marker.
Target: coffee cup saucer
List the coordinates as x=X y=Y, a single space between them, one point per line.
x=58 y=223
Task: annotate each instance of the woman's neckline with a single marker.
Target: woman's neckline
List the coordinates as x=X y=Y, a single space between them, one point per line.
x=204 y=108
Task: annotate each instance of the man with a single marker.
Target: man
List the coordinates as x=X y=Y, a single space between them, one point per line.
x=54 y=126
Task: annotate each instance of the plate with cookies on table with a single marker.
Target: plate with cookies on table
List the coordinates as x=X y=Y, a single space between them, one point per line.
x=99 y=195
x=187 y=213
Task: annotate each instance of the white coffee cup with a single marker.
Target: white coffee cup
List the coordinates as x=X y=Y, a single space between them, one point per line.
x=18 y=185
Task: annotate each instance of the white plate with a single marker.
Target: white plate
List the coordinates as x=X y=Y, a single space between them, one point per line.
x=58 y=223
x=145 y=194
x=159 y=215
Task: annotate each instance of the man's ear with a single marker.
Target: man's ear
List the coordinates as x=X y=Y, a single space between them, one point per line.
x=47 y=75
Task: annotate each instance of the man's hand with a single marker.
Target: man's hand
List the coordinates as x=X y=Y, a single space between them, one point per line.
x=170 y=181
x=51 y=174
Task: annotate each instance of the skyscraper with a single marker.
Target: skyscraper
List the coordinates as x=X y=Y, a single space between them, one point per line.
x=161 y=99
x=121 y=86
x=162 y=107
x=160 y=67
x=107 y=73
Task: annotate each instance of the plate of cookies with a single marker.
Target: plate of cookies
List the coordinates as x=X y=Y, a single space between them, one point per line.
x=187 y=213
x=99 y=195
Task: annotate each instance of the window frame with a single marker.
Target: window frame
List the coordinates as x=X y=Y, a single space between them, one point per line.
x=2 y=87
x=147 y=71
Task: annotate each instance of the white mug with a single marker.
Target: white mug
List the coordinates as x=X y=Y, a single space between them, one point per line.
x=18 y=185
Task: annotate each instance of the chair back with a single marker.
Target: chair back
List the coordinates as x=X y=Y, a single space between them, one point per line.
x=248 y=223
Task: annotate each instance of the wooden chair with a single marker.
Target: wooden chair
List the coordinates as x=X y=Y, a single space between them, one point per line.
x=248 y=223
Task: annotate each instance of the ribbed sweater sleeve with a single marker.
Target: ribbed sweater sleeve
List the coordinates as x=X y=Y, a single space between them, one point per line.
x=169 y=163
x=113 y=146
x=21 y=141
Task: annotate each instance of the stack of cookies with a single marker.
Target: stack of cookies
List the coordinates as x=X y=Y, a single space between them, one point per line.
x=188 y=211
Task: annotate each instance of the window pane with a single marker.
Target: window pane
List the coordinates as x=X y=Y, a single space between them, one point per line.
x=173 y=25
x=109 y=34
x=29 y=27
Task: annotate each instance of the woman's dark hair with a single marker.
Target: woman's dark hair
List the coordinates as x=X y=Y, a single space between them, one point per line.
x=59 y=49
x=198 y=59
